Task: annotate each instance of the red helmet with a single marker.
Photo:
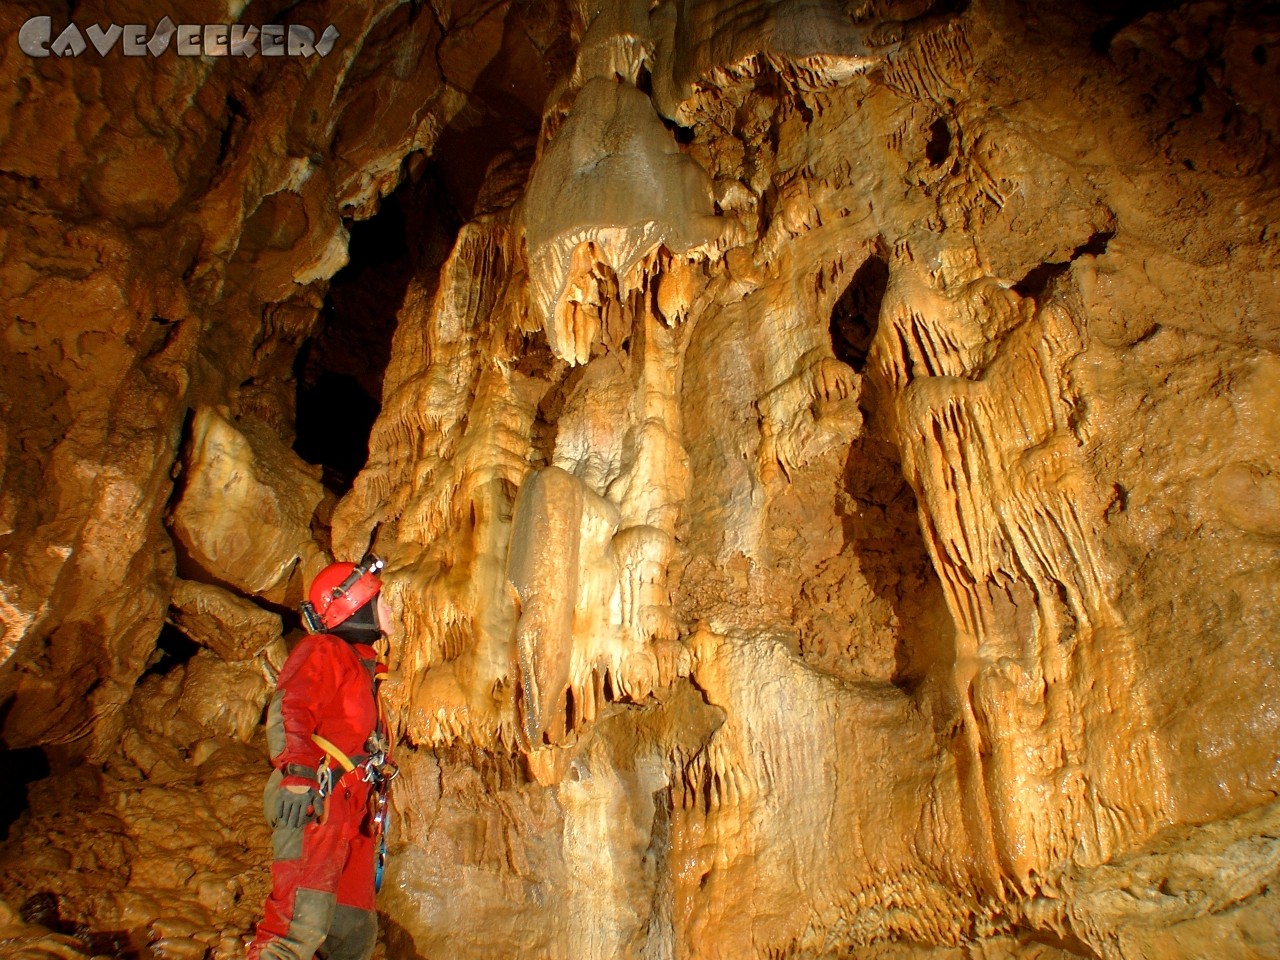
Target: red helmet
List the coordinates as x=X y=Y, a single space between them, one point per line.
x=340 y=589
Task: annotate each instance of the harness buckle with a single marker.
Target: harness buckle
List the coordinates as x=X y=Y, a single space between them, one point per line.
x=324 y=778
x=379 y=770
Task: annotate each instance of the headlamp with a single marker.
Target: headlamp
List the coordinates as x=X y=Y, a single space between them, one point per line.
x=370 y=564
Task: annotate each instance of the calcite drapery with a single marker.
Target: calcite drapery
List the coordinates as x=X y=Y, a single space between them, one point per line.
x=613 y=179
x=991 y=440
x=1024 y=691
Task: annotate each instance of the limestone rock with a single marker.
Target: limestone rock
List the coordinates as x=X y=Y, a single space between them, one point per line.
x=233 y=628
x=123 y=860
x=244 y=516
x=225 y=699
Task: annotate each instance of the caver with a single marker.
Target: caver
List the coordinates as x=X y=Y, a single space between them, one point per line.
x=327 y=799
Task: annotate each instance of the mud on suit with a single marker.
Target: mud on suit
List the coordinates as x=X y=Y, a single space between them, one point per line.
x=322 y=874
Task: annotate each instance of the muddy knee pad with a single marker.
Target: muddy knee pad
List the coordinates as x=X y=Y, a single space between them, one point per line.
x=352 y=934
x=311 y=919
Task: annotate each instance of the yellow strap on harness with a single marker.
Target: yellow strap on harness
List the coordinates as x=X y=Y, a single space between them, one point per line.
x=343 y=760
x=337 y=755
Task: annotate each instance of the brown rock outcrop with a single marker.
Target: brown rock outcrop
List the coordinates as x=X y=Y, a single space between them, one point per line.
x=244 y=515
x=233 y=628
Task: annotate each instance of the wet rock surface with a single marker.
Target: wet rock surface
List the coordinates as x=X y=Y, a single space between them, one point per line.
x=153 y=854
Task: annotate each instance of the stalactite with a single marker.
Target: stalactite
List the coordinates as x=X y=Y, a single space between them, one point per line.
x=1005 y=522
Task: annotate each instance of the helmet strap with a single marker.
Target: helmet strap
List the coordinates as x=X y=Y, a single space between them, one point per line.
x=310 y=619
x=360 y=627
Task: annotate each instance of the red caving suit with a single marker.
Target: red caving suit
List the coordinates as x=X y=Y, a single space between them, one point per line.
x=322 y=875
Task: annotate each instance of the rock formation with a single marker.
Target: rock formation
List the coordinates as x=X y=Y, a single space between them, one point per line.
x=826 y=461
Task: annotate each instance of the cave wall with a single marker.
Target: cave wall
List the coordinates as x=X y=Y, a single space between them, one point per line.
x=828 y=486
x=178 y=220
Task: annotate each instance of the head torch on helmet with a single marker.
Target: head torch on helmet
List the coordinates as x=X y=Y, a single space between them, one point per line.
x=339 y=590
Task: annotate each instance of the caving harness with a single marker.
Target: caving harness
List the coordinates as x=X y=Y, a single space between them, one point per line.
x=373 y=767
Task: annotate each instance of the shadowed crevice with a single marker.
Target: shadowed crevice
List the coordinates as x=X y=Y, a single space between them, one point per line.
x=856 y=314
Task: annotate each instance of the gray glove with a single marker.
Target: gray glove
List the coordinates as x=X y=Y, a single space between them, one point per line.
x=298 y=808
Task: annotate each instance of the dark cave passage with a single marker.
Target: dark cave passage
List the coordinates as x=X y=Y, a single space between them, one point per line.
x=339 y=369
x=335 y=417
x=173 y=649
x=23 y=765
x=856 y=314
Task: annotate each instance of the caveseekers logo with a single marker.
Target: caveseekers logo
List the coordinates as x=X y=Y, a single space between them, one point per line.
x=36 y=39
